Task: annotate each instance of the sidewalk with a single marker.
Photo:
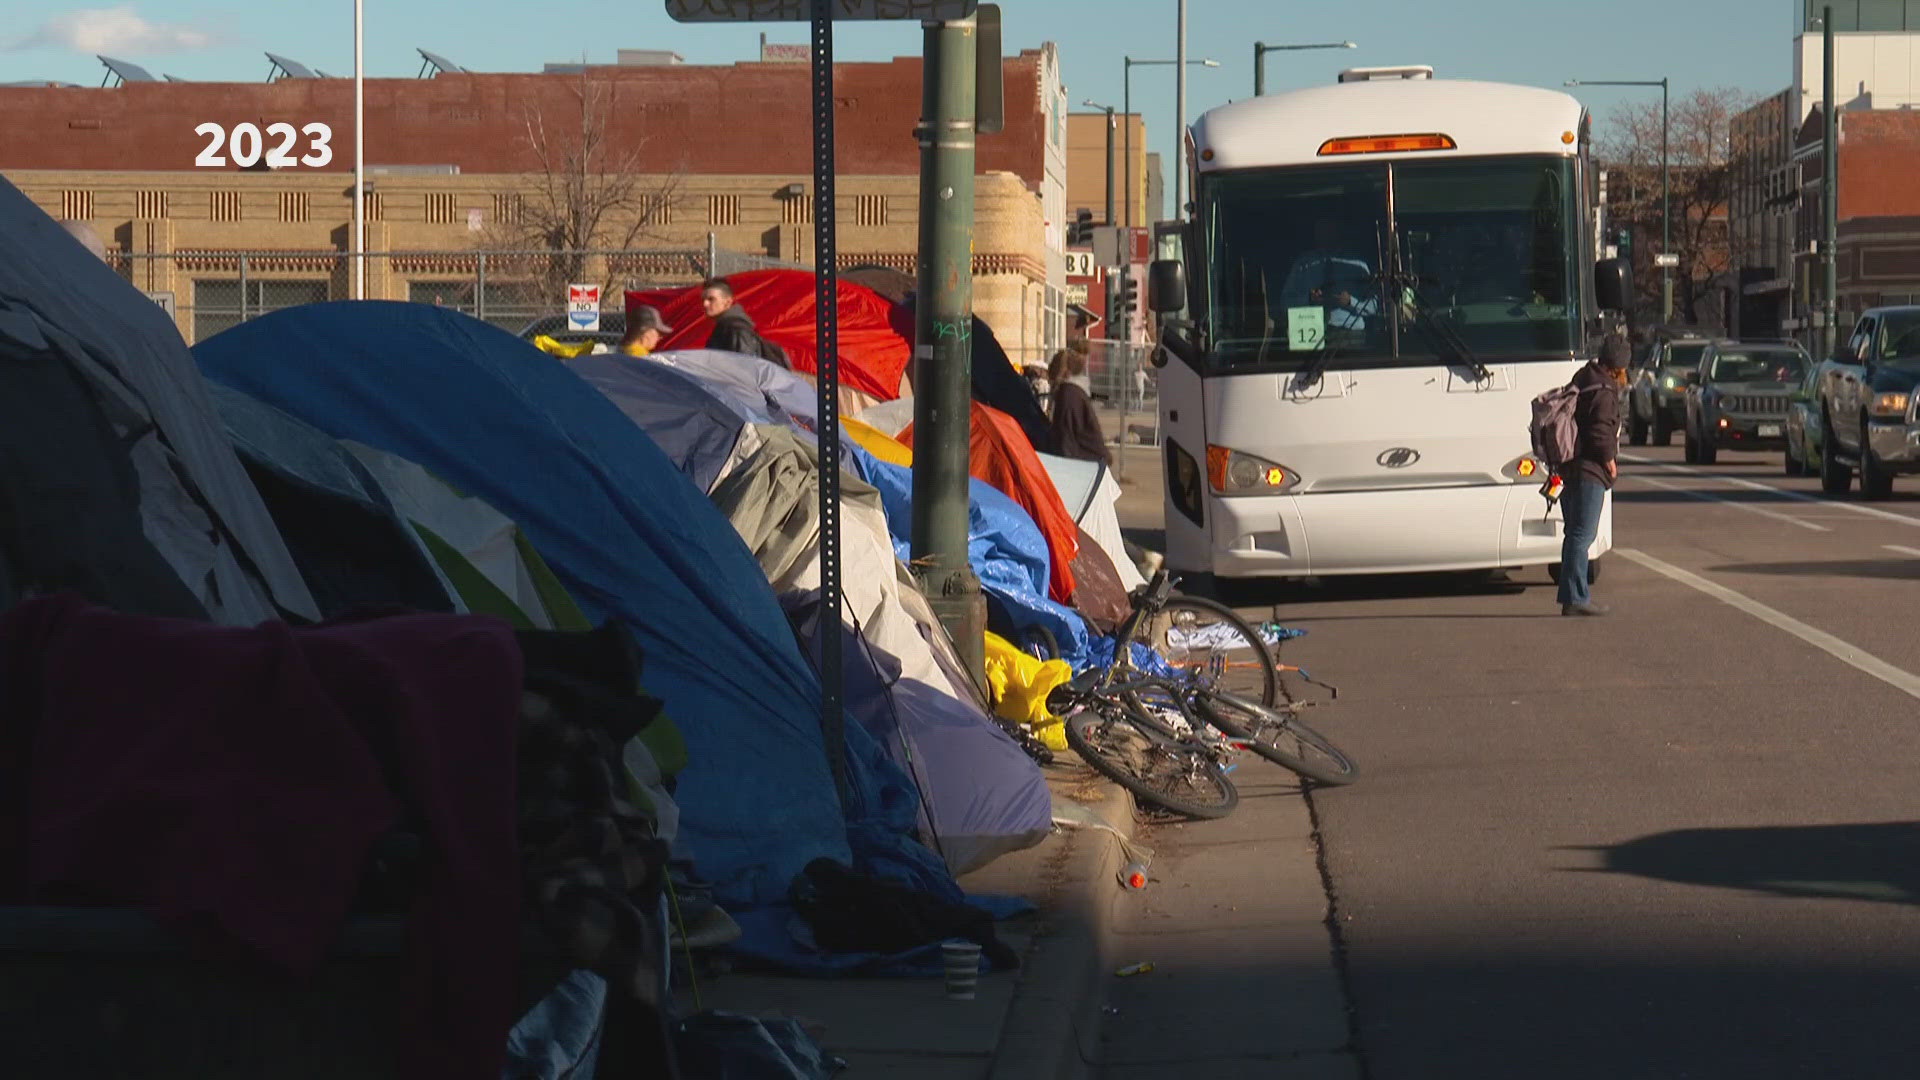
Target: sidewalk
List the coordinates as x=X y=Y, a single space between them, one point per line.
x=1037 y=1023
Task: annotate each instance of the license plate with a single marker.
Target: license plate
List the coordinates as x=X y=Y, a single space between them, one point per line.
x=1769 y=431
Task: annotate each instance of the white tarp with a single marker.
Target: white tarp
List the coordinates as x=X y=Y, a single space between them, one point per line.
x=1090 y=492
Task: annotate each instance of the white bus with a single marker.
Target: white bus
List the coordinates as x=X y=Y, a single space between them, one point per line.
x=1378 y=277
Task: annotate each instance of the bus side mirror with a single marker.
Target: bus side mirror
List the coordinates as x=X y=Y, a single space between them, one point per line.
x=1612 y=284
x=1166 y=286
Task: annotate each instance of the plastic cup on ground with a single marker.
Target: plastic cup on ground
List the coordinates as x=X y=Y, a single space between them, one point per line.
x=963 y=968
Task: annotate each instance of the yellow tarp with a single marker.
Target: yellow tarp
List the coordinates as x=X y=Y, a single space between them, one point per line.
x=565 y=352
x=877 y=442
x=1020 y=683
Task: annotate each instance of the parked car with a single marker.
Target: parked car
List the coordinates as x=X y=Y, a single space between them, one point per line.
x=1738 y=398
x=1657 y=389
x=1866 y=401
x=613 y=327
x=1805 y=434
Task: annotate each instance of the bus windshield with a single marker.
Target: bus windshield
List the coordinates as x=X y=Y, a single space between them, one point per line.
x=1398 y=264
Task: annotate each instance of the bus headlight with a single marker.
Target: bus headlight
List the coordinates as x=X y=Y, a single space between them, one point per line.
x=1230 y=472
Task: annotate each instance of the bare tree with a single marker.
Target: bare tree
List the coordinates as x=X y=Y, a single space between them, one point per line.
x=1700 y=179
x=588 y=192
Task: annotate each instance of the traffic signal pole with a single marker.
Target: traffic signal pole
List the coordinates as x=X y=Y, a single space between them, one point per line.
x=943 y=339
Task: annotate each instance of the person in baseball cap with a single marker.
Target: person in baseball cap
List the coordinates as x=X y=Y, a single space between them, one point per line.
x=645 y=328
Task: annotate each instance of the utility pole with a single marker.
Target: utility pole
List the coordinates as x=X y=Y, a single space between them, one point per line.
x=1180 y=121
x=943 y=335
x=1666 y=213
x=1830 y=192
x=1109 y=219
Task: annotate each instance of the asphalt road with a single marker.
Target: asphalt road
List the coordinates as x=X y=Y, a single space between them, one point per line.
x=1679 y=841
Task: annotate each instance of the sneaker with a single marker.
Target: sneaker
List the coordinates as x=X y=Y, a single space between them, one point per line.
x=1588 y=608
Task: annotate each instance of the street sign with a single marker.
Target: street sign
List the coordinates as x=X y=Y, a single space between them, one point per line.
x=1666 y=260
x=1077 y=293
x=697 y=11
x=583 y=308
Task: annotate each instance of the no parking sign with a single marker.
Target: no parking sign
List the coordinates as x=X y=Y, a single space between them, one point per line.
x=583 y=307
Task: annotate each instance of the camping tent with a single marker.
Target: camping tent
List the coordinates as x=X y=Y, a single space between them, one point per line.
x=1091 y=494
x=873 y=355
x=116 y=477
x=631 y=538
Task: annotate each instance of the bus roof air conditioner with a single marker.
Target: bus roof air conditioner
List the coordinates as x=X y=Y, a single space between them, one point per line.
x=1369 y=74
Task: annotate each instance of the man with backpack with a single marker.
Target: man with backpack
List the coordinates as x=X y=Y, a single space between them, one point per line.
x=1577 y=432
x=733 y=329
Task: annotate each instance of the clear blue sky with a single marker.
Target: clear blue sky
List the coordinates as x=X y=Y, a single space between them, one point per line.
x=1742 y=43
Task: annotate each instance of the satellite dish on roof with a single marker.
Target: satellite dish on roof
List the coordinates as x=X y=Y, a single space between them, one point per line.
x=125 y=72
x=292 y=69
x=439 y=64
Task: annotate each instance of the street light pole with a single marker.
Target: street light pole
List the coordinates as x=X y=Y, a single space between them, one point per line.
x=1126 y=111
x=359 y=245
x=1180 y=119
x=1830 y=192
x=1261 y=49
x=1666 y=187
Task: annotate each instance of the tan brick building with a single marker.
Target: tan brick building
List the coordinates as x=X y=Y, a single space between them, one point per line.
x=726 y=151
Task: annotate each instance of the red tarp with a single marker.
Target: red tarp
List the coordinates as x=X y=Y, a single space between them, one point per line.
x=999 y=454
x=873 y=355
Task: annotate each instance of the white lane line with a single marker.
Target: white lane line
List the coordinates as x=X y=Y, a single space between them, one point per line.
x=1901 y=680
x=1711 y=497
x=1902 y=550
x=1788 y=493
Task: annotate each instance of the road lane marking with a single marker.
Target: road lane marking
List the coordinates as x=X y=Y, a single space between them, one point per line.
x=1902 y=550
x=1800 y=496
x=1711 y=497
x=1901 y=680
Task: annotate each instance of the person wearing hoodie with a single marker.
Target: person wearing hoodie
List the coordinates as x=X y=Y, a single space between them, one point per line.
x=1592 y=472
x=1076 y=427
x=733 y=329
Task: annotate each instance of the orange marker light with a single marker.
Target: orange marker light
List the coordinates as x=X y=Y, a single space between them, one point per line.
x=1386 y=144
x=1527 y=467
x=1217 y=466
x=1276 y=476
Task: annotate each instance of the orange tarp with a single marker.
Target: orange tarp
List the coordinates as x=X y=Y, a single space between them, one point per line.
x=1000 y=454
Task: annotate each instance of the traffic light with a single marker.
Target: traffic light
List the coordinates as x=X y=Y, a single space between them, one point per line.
x=1081 y=231
x=1129 y=296
x=1626 y=241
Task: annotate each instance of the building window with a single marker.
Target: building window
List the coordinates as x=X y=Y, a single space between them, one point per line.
x=723 y=209
x=223 y=206
x=507 y=208
x=657 y=210
x=371 y=207
x=219 y=304
x=796 y=210
x=443 y=208
x=149 y=204
x=869 y=209
x=76 y=205
x=295 y=206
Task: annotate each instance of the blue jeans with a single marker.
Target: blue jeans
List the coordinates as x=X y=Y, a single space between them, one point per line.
x=1580 y=506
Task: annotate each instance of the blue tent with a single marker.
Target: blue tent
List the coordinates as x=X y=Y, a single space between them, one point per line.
x=632 y=538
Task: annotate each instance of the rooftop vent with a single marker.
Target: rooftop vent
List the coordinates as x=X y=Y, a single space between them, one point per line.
x=1373 y=74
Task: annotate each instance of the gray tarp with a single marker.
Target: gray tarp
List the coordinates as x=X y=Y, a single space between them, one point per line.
x=698 y=431
x=198 y=507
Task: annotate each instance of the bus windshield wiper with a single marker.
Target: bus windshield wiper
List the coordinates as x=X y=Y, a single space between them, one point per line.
x=1440 y=336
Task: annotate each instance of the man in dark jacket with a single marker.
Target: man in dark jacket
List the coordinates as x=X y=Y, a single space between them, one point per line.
x=1076 y=427
x=733 y=329
x=1593 y=470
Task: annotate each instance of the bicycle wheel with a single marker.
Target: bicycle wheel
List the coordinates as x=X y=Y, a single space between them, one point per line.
x=1168 y=774
x=1278 y=736
x=1196 y=633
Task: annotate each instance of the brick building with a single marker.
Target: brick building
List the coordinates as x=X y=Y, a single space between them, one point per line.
x=450 y=161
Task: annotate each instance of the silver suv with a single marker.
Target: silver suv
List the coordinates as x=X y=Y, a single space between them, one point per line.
x=1657 y=390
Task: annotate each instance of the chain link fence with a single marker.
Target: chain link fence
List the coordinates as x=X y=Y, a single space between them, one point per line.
x=1126 y=391
x=208 y=291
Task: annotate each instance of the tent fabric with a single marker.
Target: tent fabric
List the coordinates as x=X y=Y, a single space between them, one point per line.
x=996 y=381
x=631 y=538
x=877 y=442
x=351 y=546
x=1097 y=593
x=873 y=355
x=1091 y=495
x=696 y=430
x=198 y=508
x=999 y=453
x=493 y=568
x=981 y=795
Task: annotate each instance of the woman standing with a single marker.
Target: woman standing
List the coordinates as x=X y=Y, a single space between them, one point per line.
x=1076 y=427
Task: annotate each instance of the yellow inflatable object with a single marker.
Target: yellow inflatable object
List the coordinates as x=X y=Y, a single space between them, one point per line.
x=1020 y=684
x=877 y=442
x=565 y=352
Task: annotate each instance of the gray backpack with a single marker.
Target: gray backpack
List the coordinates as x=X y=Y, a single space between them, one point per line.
x=1555 y=432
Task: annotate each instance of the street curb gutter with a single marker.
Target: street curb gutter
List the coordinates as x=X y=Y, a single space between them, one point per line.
x=1052 y=1029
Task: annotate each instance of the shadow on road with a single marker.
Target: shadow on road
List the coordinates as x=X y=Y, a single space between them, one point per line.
x=1878 y=862
x=1894 y=569
x=1259 y=592
x=1668 y=495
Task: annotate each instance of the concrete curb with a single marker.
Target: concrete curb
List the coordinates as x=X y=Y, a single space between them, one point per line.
x=1052 y=1028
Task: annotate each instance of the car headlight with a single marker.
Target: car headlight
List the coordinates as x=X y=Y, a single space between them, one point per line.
x=1890 y=405
x=1231 y=472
